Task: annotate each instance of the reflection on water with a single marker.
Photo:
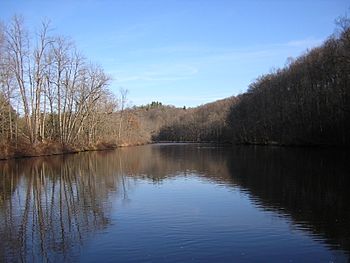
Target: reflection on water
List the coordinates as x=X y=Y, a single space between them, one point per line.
x=310 y=185
x=52 y=208
x=50 y=205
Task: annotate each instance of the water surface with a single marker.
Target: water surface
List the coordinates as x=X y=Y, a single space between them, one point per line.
x=177 y=203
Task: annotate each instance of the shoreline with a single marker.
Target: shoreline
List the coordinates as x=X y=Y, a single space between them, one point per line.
x=52 y=149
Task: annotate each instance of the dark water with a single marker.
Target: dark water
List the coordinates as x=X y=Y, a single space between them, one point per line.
x=177 y=203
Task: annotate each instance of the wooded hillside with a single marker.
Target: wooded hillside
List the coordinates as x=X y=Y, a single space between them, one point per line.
x=305 y=103
x=206 y=123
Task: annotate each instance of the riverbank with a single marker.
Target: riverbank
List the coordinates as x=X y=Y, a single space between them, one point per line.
x=294 y=145
x=26 y=150
x=266 y=143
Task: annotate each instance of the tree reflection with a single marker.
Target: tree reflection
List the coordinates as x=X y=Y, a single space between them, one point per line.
x=50 y=205
x=159 y=162
x=309 y=185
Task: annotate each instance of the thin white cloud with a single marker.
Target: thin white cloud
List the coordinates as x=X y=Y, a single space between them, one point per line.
x=198 y=49
x=305 y=43
x=156 y=73
x=200 y=55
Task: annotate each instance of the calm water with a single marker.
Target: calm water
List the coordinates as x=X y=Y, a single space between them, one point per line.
x=177 y=203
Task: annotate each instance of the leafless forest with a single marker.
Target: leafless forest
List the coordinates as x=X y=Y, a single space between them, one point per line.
x=53 y=99
x=305 y=103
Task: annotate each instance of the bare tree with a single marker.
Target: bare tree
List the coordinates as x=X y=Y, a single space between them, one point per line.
x=123 y=100
x=28 y=68
x=18 y=53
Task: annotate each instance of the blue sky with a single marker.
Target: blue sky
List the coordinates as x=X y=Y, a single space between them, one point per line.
x=185 y=52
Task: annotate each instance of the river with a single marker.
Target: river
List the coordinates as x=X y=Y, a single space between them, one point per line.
x=177 y=203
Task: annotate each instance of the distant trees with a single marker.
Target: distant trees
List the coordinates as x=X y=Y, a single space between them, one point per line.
x=204 y=123
x=146 y=121
x=155 y=104
x=307 y=102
